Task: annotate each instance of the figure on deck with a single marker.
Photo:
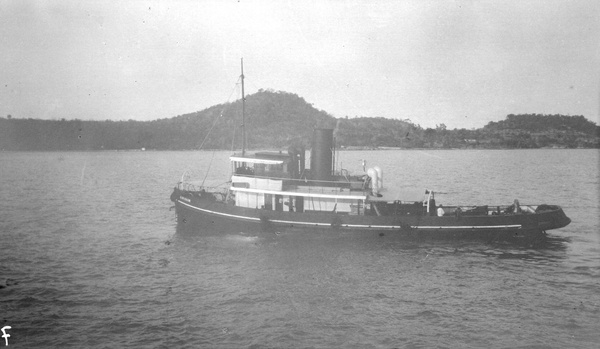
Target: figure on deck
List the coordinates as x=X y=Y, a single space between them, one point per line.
x=440 y=211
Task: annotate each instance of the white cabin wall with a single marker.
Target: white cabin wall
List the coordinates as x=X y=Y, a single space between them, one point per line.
x=250 y=200
x=328 y=204
x=260 y=200
x=259 y=183
x=241 y=199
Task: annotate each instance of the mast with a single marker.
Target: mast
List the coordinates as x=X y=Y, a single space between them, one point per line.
x=243 y=113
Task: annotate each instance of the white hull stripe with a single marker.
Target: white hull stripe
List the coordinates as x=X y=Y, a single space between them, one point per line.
x=451 y=227
x=218 y=213
x=294 y=193
x=509 y=226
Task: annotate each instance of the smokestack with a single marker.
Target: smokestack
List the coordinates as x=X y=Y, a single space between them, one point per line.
x=321 y=154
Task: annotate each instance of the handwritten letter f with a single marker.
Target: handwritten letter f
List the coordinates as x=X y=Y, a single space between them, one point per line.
x=4 y=334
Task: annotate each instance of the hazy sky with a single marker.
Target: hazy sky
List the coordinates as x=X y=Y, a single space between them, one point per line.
x=462 y=63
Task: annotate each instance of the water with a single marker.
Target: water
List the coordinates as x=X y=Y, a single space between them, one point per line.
x=93 y=259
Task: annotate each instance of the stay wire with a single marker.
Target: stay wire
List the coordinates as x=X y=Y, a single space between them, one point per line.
x=212 y=127
x=217 y=118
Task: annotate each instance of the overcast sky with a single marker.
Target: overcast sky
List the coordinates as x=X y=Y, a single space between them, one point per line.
x=461 y=63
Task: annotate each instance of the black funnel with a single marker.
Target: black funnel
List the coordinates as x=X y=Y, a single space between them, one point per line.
x=321 y=154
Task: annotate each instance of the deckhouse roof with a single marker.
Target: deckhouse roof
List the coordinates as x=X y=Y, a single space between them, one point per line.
x=263 y=157
x=255 y=160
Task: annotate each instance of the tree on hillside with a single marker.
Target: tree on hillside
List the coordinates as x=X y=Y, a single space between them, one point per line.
x=278 y=119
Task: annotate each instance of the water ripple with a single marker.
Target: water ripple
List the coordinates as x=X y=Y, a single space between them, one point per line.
x=94 y=260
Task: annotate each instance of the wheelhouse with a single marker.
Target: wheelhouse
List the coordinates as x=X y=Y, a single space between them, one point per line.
x=279 y=182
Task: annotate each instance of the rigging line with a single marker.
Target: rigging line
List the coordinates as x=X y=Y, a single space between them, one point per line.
x=251 y=82
x=220 y=115
x=220 y=184
x=209 y=132
x=208 y=169
x=235 y=127
x=233 y=141
x=211 y=128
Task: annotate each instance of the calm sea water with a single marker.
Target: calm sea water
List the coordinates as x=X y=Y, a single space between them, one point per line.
x=90 y=248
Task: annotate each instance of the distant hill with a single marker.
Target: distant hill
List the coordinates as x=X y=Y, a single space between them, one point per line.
x=273 y=119
x=538 y=130
x=544 y=123
x=276 y=119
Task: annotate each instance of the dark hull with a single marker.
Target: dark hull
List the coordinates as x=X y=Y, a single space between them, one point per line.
x=206 y=216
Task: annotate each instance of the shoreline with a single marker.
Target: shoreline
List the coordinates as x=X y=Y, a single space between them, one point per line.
x=271 y=149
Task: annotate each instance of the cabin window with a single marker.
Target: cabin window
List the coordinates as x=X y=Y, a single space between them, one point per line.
x=276 y=170
x=260 y=169
x=356 y=208
x=279 y=202
x=268 y=202
x=288 y=204
x=299 y=204
x=242 y=168
x=240 y=185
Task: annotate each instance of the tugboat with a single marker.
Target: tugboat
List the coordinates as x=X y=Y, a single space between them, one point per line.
x=275 y=191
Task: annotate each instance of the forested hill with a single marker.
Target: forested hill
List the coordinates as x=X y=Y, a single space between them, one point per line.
x=272 y=120
x=278 y=119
